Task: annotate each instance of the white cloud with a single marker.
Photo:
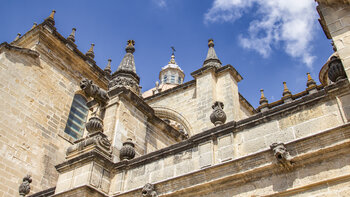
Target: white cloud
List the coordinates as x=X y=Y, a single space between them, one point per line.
x=286 y=22
x=160 y=3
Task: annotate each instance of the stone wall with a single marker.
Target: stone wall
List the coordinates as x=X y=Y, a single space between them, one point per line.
x=290 y=123
x=36 y=91
x=194 y=101
x=123 y=120
x=335 y=16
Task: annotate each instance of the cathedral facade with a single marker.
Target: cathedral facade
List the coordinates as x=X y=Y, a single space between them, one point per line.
x=70 y=128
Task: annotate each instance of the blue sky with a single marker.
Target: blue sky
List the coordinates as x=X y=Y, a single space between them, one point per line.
x=267 y=41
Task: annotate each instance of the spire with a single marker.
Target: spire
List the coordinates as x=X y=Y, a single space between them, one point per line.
x=263 y=99
x=263 y=102
x=310 y=82
x=51 y=19
x=108 y=67
x=71 y=37
x=128 y=62
x=125 y=76
x=17 y=37
x=212 y=59
x=34 y=25
x=286 y=91
x=52 y=14
x=90 y=52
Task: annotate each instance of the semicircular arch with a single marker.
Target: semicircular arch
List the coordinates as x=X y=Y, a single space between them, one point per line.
x=168 y=113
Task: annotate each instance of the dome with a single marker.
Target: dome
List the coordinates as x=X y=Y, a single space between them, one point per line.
x=171 y=73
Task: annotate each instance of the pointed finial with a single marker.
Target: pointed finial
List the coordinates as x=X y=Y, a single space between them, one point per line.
x=212 y=59
x=108 y=69
x=90 y=52
x=34 y=25
x=71 y=37
x=130 y=47
x=50 y=20
x=210 y=43
x=17 y=37
x=263 y=99
x=286 y=91
x=52 y=14
x=310 y=84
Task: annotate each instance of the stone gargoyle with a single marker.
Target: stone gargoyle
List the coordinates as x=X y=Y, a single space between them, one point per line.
x=92 y=90
x=149 y=191
x=282 y=155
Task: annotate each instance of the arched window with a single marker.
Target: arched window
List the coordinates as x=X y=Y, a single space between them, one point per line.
x=77 y=117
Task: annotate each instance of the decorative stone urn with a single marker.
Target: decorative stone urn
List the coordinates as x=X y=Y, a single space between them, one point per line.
x=218 y=117
x=127 y=152
x=24 y=188
x=335 y=69
x=94 y=124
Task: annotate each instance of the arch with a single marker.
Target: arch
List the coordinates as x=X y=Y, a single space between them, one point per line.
x=168 y=113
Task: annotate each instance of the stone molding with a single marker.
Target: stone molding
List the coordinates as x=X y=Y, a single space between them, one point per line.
x=171 y=90
x=29 y=52
x=217 y=71
x=259 y=118
x=42 y=32
x=255 y=166
x=44 y=193
x=141 y=105
x=95 y=141
x=85 y=190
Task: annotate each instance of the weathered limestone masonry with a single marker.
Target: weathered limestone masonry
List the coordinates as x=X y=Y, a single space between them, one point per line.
x=193 y=100
x=296 y=146
x=235 y=159
x=335 y=21
x=39 y=76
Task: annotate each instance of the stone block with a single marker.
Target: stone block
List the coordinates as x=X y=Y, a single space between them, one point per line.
x=96 y=175
x=252 y=146
x=168 y=172
x=301 y=116
x=105 y=183
x=282 y=136
x=260 y=130
x=316 y=125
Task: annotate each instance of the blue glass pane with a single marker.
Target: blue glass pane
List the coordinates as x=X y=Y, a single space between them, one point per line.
x=77 y=117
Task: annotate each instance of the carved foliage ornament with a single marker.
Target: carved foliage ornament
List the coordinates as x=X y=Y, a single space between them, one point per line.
x=336 y=69
x=120 y=81
x=149 y=191
x=128 y=150
x=218 y=117
x=24 y=188
x=94 y=124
